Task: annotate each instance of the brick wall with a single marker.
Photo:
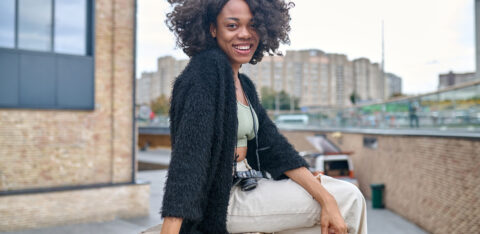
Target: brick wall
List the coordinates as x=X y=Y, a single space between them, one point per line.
x=49 y=148
x=67 y=207
x=57 y=148
x=431 y=181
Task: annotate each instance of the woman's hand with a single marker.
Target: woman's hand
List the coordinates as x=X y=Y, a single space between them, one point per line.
x=331 y=220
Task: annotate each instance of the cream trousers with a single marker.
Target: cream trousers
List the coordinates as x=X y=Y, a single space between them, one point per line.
x=284 y=207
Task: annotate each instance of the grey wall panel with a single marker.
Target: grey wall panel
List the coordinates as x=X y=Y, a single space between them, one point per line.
x=75 y=82
x=8 y=79
x=37 y=80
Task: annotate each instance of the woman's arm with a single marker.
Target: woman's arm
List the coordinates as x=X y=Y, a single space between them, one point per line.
x=192 y=126
x=330 y=216
x=171 y=225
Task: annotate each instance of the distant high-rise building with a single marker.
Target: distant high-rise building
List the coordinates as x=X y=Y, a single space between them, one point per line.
x=368 y=81
x=152 y=85
x=316 y=78
x=451 y=79
x=319 y=79
x=143 y=86
x=341 y=80
x=377 y=81
x=361 y=70
x=168 y=68
x=393 y=85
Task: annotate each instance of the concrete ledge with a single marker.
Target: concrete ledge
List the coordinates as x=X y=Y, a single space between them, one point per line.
x=76 y=206
x=393 y=132
x=452 y=133
x=153 y=230
x=158 y=228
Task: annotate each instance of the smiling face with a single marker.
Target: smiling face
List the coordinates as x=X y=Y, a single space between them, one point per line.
x=235 y=33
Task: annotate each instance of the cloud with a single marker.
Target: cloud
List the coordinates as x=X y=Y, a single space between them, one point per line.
x=416 y=33
x=154 y=39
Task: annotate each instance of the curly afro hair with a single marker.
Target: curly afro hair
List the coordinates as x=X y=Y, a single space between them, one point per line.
x=190 y=20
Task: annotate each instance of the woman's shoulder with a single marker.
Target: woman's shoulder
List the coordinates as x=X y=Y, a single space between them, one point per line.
x=204 y=67
x=213 y=58
x=212 y=54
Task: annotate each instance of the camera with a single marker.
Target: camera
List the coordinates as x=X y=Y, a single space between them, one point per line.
x=247 y=180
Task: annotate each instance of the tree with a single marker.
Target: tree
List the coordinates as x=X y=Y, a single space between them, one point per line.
x=354 y=97
x=397 y=95
x=268 y=99
x=160 y=105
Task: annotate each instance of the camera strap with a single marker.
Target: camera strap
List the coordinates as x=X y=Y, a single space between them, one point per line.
x=254 y=130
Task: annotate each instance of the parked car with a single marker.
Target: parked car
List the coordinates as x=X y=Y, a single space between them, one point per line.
x=294 y=120
x=338 y=166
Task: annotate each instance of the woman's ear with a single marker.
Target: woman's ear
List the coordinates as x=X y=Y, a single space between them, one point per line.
x=213 y=30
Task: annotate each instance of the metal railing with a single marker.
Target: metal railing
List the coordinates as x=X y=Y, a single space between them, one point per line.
x=453 y=109
x=456 y=109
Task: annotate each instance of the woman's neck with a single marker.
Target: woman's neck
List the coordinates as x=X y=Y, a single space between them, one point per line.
x=236 y=69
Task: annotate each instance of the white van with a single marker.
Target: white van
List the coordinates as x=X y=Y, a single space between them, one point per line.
x=337 y=166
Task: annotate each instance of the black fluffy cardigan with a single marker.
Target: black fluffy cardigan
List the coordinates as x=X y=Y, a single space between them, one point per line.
x=203 y=129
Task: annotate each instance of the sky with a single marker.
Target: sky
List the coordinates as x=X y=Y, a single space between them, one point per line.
x=423 y=38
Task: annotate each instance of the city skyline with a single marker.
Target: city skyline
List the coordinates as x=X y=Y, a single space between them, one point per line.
x=316 y=78
x=421 y=42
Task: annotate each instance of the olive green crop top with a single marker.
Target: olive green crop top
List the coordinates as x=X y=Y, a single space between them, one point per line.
x=245 y=124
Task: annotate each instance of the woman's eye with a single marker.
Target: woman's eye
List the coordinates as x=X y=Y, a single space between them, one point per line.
x=231 y=25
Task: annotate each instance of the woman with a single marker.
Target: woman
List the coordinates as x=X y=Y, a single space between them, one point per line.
x=218 y=126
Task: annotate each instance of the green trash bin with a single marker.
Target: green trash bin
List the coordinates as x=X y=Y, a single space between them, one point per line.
x=377 y=196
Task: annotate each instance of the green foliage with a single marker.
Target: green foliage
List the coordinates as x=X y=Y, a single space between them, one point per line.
x=268 y=99
x=354 y=98
x=160 y=106
x=397 y=95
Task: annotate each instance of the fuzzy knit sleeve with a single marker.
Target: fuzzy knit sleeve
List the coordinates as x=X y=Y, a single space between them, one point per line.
x=192 y=128
x=277 y=155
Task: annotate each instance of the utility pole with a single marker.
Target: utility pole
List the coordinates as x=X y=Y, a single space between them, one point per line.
x=277 y=103
x=292 y=103
x=383 y=63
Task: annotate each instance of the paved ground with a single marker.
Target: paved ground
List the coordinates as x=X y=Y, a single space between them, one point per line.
x=379 y=221
x=160 y=156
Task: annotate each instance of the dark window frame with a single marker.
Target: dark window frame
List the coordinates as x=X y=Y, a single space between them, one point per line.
x=60 y=103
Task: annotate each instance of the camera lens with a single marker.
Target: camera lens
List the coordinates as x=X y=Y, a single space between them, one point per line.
x=248 y=184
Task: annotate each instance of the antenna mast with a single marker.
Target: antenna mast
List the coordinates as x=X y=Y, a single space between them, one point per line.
x=383 y=61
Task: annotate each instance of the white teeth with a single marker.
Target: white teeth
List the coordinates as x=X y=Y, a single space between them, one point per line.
x=242 y=47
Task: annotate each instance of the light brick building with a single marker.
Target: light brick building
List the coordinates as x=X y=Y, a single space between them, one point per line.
x=393 y=85
x=152 y=85
x=316 y=78
x=67 y=133
x=319 y=79
x=143 y=88
x=452 y=79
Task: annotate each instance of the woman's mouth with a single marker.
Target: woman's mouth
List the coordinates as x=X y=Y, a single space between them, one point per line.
x=243 y=49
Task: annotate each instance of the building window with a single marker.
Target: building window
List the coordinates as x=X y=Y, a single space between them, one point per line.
x=46 y=54
x=34 y=25
x=7 y=27
x=70 y=26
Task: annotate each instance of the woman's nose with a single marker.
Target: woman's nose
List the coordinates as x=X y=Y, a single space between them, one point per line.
x=244 y=33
